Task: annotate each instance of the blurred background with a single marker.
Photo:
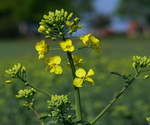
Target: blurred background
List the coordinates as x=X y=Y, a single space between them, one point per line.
x=123 y=27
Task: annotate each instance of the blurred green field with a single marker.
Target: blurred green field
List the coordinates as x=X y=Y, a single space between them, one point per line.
x=116 y=55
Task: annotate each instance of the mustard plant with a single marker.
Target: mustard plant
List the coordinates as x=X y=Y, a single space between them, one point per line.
x=60 y=25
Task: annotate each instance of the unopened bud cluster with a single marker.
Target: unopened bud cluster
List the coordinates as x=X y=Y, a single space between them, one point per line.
x=148 y=120
x=60 y=108
x=26 y=93
x=58 y=101
x=17 y=71
x=141 y=62
x=57 y=24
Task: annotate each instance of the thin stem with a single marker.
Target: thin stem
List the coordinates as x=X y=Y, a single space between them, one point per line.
x=39 y=90
x=76 y=90
x=54 y=49
x=82 y=48
x=114 y=99
x=27 y=84
x=37 y=115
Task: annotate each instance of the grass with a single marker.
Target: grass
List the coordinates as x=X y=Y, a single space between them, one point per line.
x=116 y=55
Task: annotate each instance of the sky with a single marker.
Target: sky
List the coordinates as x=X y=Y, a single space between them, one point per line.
x=108 y=7
x=105 y=6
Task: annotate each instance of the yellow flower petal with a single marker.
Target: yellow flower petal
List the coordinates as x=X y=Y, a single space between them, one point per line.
x=53 y=60
x=67 y=45
x=58 y=69
x=94 y=40
x=54 y=68
x=41 y=56
x=91 y=41
x=90 y=80
x=80 y=27
x=90 y=72
x=69 y=42
x=56 y=59
x=41 y=29
x=78 y=82
x=80 y=72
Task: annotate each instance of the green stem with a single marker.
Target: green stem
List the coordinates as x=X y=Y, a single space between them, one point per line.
x=37 y=115
x=39 y=90
x=76 y=90
x=114 y=100
x=27 y=84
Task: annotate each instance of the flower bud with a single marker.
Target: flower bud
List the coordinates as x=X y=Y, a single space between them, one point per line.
x=65 y=14
x=70 y=16
x=146 y=76
x=8 y=81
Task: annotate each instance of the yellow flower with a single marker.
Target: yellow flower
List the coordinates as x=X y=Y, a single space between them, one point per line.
x=73 y=26
x=42 y=48
x=67 y=45
x=91 y=41
x=53 y=64
x=42 y=29
x=83 y=76
x=77 y=61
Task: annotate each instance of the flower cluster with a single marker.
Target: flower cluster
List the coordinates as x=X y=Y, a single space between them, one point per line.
x=26 y=93
x=58 y=101
x=58 y=25
x=148 y=120
x=17 y=71
x=60 y=108
x=27 y=96
x=140 y=63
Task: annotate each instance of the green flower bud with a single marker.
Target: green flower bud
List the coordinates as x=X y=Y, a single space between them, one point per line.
x=146 y=76
x=60 y=33
x=70 y=16
x=8 y=81
x=54 y=38
x=26 y=93
x=148 y=119
x=48 y=37
x=62 y=26
x=23 y=69
x=62 y=11
x=65 y=14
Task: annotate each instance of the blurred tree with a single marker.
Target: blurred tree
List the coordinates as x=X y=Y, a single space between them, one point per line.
x=135 y=9
x=12 y=12
x=100 y=21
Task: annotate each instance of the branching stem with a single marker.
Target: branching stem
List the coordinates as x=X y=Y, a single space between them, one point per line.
x=114 y=99
x=37 y=115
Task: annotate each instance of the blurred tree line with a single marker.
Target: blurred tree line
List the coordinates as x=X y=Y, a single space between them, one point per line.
x=18 y=15
x=135 y=9
x=21 y=17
